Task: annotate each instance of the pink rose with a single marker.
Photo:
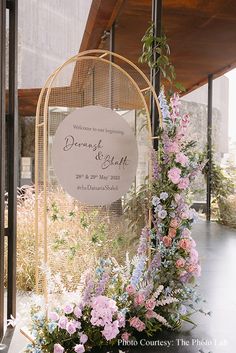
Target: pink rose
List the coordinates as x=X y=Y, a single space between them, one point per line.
x=150 y=314
x=182 y=159
x=174 y=223
x=174 y=175
x=53 y=316
x=57 y=348
x=77 y=312
x=167 y=241
x=137 y=324
x=195 y=270
x=183 y=183
x=180 y=263
x=125 y=336
x=79 y=348
x=139 y=299
x=130 y=289
x=150 y=304
x=68 y=309
x=172 y=232
x=62 y=322
x=185 y=244
x=83 y=338
x=71 y=327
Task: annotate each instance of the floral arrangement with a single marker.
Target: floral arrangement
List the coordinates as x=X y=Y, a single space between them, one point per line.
x=153 y=291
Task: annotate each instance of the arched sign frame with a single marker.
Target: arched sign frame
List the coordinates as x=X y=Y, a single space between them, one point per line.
x=97 y=55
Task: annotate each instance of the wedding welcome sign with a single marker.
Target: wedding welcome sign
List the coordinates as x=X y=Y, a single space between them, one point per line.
x=95 y=155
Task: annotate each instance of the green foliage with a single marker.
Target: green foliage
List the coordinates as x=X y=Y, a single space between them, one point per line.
x=156 y=53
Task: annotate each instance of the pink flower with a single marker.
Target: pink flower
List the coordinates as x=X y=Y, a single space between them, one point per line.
x=150 y=314
x=79 y=348
x=150 y=304
x=111 y=330
x=125 y=336
x=53 y=316
x=130 y=289
x=185 y=215
x=68 y=309
x=139 y=299
x=137 y=324
x=180 y=263
x=171 y=147
x=174 y=223
x=183 y=183
x=185 y=244
x=103 y=309
x=172 y=232
x=57 y=348
x=193 y=256
x=71 y=327
x=182 y=159
x=167 y=241
x=77 y=312
x=121 y=320
x=62 y=322
x=185 y=120
x=83 y=338
x=195 y=269
x=174 y=175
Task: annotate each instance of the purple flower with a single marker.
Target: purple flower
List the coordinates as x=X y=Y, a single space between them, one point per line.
x=143 y=243
x=57 y=348
x=111 y=330
x=164 y=195
x=62 y=322
x=83 y=338
x=155 y=200
x=68 y=309
x=162 y=214
x=77 y=312
x=174 y=175
x=71 y=327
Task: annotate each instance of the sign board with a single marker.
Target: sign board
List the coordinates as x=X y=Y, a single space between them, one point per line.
x=95 y=155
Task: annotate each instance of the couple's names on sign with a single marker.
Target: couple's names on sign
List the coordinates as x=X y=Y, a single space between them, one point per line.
x=107 y=160
x=95 y=155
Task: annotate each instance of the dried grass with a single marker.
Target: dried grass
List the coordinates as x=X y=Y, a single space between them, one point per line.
x=77 y=237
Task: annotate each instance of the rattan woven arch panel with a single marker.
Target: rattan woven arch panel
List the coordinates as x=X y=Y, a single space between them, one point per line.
x=99 y=78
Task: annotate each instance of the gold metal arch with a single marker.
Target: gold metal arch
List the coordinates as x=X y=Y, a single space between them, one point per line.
x=96 y=55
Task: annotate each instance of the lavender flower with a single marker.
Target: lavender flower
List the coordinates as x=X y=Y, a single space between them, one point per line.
x=143 y=243
x=102 y=283
x=138 y=271
x=164 y=105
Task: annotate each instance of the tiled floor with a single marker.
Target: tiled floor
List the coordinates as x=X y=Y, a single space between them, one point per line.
x=216 y=334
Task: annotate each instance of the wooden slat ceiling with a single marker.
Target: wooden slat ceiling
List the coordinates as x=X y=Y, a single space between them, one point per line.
x=201 y=34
